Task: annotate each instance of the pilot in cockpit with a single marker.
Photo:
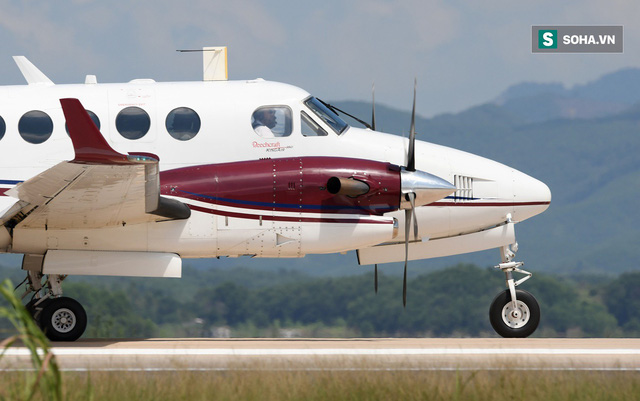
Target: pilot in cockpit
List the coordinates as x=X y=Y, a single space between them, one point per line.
x=264 y=120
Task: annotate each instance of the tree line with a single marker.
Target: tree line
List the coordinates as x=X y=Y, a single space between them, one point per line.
x=449 y=302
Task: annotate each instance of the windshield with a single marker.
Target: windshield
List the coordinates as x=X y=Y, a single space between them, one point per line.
x=328 y=116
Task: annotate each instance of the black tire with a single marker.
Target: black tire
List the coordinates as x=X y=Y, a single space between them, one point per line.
x=63 y=319
x=518 y=328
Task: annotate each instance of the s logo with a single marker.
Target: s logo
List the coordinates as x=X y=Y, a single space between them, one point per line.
x=547 y=39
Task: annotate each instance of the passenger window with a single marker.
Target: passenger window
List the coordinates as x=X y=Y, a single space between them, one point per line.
x=133 y=122
x=310 y=127
x=35 y=126
x=272 y=121
x=3 y=127
x=183 y=123
x=94 y=118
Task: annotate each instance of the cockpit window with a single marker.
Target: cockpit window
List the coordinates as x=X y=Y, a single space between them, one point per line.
x=272 y=121
x=329 y=117
x=310 y=127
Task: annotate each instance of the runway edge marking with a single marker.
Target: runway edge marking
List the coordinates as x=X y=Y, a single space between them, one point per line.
x=325 y=351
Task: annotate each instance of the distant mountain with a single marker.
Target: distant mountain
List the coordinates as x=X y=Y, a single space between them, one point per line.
x=606 y=96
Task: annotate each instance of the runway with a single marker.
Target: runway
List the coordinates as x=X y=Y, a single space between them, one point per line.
x=339 y=354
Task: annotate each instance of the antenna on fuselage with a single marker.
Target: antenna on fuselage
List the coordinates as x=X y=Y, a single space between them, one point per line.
x=214 y=63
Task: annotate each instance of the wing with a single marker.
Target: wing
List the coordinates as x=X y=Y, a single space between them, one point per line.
x=99 y=187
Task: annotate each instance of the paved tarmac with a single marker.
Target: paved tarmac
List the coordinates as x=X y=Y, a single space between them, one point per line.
x=339 y=354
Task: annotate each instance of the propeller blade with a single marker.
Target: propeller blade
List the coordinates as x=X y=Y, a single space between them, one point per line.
x=373 y=106
x=407 y=218
x=411 y=154
x=412 y=198
x=404 y=279
x=375 y=280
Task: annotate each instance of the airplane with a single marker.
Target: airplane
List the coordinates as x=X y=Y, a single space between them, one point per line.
x=128 y=179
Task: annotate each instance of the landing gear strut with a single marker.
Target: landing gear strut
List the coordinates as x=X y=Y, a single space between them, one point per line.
x=60 y=318
x=514 y=313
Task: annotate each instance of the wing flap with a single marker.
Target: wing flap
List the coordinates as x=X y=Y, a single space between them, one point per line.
x=46 y=185
x=101 y=196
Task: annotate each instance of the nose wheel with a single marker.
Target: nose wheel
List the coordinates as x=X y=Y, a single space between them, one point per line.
x=512 y=321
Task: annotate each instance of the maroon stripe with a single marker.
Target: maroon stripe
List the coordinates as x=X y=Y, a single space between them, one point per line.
x=289 y=184
x=3 y=190
x=489 y=204
x=284 y=218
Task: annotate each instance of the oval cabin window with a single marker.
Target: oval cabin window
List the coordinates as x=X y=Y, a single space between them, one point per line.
x=183 y=123
x=3 y=127
x=133 y=122
x=35 y=126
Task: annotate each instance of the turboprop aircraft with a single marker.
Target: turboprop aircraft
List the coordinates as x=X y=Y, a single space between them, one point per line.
x=129 y=179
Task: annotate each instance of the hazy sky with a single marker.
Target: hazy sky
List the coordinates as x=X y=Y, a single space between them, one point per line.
x=462 y=52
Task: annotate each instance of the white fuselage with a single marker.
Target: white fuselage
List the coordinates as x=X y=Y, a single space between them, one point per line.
x=488 y=192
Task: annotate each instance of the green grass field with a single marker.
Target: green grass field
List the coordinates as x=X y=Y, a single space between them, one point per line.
x=338 y=385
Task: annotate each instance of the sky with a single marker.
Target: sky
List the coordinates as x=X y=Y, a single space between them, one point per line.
x=462 y=53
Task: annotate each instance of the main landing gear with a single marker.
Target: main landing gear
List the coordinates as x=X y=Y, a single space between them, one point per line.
x=60 y=318
x=514 y=313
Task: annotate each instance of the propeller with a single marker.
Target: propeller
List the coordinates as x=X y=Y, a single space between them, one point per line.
x=409 y=213
x=373 y=106
x=375 y=280
x=411 y=154
x=418 y=188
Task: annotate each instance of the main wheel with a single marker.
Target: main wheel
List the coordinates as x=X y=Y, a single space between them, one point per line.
x=519 y=322
x=63 y=319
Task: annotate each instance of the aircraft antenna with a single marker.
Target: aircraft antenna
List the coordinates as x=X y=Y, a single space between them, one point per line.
x=214 y=62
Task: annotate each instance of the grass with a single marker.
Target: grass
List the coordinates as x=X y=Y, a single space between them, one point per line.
x=46 y=379
x=341 y=385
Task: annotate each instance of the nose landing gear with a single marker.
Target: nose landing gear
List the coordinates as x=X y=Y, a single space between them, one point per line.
x=514 y=313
